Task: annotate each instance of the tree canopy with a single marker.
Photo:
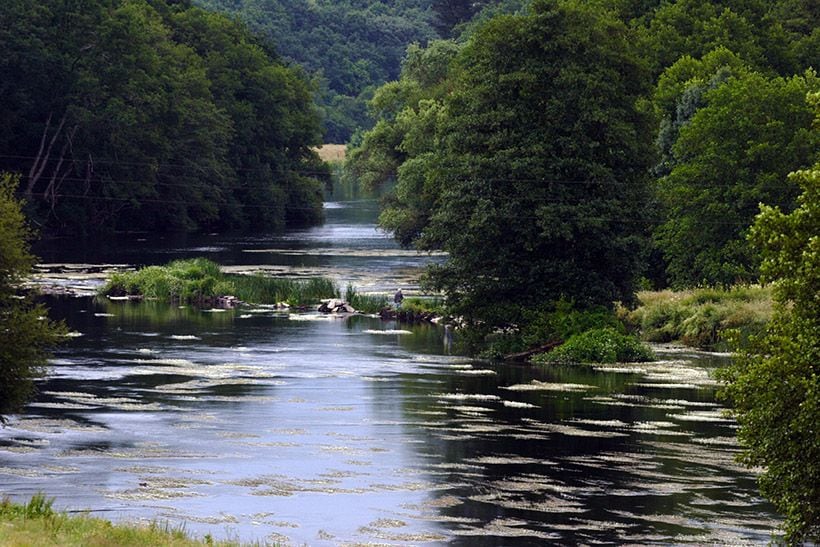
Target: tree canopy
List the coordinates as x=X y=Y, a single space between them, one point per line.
x=733 y=153
x=544 y=157
x=24 y=336
x=525 y=156
x=774 y=383
x=349 y=47
x=152 y=115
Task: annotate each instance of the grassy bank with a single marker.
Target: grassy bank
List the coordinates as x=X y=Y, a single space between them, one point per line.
x=375 y=303
x=36 y=523
x=199 y=280
x=700 y=317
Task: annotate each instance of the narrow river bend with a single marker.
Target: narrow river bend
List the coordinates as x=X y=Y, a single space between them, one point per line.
x=254 y=424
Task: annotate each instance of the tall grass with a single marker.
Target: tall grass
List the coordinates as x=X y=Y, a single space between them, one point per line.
x=36 y=523
x=271 y=290
x=199 y=279
x=700 y=317
x=365 y=303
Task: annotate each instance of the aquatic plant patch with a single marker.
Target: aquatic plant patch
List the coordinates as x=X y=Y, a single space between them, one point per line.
x=200 y=280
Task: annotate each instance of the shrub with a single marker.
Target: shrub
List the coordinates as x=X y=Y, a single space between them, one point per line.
x=604 y=345
x=26 y=335
x=564 y=320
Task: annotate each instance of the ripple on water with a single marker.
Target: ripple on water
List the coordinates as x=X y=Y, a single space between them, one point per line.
x=518 y=404
x=536 y=385
x=713 y=416
x=509 y=528
x=466 y=397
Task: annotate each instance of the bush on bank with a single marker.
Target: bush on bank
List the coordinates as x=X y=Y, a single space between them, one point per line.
x=605 y=345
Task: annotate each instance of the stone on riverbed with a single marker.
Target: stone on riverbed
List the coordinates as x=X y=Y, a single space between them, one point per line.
x=334 y=305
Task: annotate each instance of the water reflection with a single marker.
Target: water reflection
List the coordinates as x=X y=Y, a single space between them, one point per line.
x=317 y=429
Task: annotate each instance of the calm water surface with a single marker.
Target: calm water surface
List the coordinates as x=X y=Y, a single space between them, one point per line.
x=307 y=429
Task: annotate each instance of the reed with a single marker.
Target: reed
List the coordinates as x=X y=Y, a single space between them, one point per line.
x=198 y=280
x=365 y=303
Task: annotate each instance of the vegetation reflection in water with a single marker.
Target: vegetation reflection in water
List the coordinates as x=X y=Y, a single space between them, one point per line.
x=327 y=429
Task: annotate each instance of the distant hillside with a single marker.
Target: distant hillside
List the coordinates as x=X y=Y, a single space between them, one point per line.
x=350 y=46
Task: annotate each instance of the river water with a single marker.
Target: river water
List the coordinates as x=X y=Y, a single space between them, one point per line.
x=258 y=425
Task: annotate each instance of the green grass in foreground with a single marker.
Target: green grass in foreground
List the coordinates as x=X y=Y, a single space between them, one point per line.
x=200 y=279
x=700 y=317
x=36 y=523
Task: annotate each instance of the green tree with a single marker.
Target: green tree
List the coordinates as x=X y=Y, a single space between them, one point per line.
x=24 y=337
x=542 y=159
x=150 y=114
x=349 y=46
x=750 y=28
x=679 y=93
x=403 y=145
x=732 y=154
x=774 y=383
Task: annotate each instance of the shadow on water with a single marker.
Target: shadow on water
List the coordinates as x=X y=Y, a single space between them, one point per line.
x=316 y=429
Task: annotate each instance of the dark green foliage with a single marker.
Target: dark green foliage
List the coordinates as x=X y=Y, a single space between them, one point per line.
x=771 y=36
x=545 y=325
x=599 y=346
x=732 y=154
x=350 y=47
x=774 y=383
x=127 y=115
x=564 y=321
x=197 y=280
x=25 y=336
x=541 y=167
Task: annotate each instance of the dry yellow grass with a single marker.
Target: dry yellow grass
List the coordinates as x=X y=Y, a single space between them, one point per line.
x=700 y=317
x=332 y=152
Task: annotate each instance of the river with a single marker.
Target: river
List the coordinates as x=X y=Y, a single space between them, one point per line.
x=258 y=425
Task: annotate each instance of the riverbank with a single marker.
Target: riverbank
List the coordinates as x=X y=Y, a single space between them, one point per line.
x=700 y=318
x=36 y=523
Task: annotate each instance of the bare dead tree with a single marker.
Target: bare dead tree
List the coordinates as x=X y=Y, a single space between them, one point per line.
x=43 y=154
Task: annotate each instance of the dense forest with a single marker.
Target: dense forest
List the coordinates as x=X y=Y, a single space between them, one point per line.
x=349 y=48
x=152 y=115
x=631 y=140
